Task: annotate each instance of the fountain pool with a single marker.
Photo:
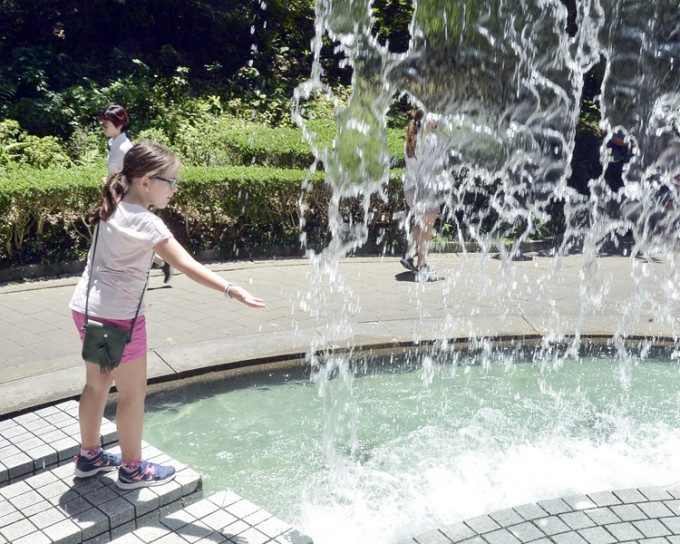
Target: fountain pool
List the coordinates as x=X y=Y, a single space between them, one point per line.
x=401 y=444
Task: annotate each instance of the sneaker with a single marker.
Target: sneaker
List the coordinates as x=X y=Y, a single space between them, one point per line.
x=407 y=263
x=102 y=462
x=146 y=475
x=425 y=273
x=167 y=272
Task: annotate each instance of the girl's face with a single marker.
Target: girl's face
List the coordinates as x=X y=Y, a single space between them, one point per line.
x=163 y=186
x=111 y=130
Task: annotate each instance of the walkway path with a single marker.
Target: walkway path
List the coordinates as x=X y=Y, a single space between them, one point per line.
x=372 y=301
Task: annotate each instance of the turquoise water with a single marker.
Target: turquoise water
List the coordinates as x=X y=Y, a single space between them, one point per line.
x=401 y=446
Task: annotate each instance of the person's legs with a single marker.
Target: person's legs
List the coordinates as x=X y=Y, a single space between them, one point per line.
x=423 y=235
x=134 y=472
x=130 y=381
x=92 y=459
x=92 y=404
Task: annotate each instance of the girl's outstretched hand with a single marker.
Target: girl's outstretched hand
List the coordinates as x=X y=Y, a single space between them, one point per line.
x=240 y=294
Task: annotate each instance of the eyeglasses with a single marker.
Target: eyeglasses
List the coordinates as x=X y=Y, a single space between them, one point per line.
x=172 y=182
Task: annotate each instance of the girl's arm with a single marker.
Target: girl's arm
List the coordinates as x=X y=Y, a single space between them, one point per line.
x=172 y=252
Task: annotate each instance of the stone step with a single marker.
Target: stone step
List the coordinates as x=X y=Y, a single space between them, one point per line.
x=221 y=518
x=43 y=439
x=56 y=507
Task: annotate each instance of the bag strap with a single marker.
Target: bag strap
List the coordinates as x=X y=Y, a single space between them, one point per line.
x=89 y=283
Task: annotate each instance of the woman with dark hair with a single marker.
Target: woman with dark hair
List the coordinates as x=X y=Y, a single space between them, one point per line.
x=129 y=234
x=115 y=121
x=423 y=164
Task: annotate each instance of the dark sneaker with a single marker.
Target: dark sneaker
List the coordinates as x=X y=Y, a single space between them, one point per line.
x=146 y=475
x=102 y=462
x=407 y=263
x=167 y=272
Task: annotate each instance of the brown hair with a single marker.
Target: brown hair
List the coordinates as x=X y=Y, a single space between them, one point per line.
x=117 y=115
x=412 y=132
x=145 y=158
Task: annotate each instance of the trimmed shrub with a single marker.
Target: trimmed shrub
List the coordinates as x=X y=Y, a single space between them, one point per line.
x=235 y=211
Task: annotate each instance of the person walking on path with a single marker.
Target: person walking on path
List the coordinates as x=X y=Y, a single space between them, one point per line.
x=424 y=163
x=115 y=121
x=128 y=236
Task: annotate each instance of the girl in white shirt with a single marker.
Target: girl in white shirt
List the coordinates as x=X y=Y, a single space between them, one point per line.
x=115 y=121
x=424 y=163
x=129 y=235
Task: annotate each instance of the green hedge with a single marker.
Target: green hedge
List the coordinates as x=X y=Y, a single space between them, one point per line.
x=222 y=142
x=237 y=211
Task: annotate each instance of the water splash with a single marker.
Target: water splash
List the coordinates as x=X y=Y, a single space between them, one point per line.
x=504 y=80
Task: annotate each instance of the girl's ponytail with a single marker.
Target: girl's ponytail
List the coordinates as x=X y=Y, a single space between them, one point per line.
x=112 y=193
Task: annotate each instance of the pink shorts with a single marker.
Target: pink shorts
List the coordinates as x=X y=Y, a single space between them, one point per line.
x=135 y=349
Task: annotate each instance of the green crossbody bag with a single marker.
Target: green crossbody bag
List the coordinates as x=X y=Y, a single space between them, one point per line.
x=104 y=344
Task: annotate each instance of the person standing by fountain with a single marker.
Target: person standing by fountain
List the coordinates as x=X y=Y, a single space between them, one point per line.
x=129 y=235
x=115 y=121
x=423 y=166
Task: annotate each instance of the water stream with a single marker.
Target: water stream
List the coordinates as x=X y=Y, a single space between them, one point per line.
x=421 y=441
x=369 y=457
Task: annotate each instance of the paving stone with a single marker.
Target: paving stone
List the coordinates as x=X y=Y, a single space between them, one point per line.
x=482 y=524
x=506 y=517
x=672 y=523
x=119 y=511
x=430 y=537
x=178 y=519
x=46 y=518
x=551 y=525
x=602 y=516
x=628 y=512
x=34 y=538
x=555 y=506
x=652 y=528
x=526 y=532
x=457 y=532
x=568 y=538
x=577 y=520
x=242 y=508
x=25 y=500
x=149 y=534
x=624 y=531
x=122 y=530
x=630 y=496
x=655 y=493
x=92 y=523
x=18 y=529
x=201 y=509
x=272 y=527
x=502 y=536
x=597 y=535
x=530 y=511
x=673 y=506
x=220 y=519
x=604 y=498
x=65 y=532
x=257 y=517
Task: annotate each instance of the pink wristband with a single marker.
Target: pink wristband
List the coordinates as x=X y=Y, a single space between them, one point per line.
x=227 y=288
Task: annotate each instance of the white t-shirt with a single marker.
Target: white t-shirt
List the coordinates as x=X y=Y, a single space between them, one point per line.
x=119 y=146
x=121 y=263
x=423 y=170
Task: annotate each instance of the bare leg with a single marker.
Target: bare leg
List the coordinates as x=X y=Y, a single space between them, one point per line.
x=92 y=404
x=423 y=235
x=130 y=380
